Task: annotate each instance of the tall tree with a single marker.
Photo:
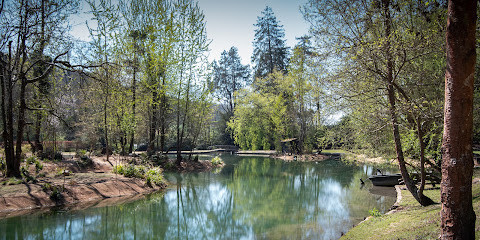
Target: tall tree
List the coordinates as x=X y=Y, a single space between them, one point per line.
x=375 y=43
x=269 y=49
x=28 y=28
x=191 y=65
x=229 y=76
x=104 y=12
x=458 y=217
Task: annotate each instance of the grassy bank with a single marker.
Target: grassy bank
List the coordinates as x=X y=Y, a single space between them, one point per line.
x=411 y=221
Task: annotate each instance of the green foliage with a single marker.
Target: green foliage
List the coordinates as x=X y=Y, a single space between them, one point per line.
x=26 y=175
x=38 y=166
x=155 y=176
x=34 y=160
x=374 y=212
x=12 y=181
x=270 y=51
x=216 y=161
x=30 y=160
x=152 y=175
x=169 y=165
x=55 y=191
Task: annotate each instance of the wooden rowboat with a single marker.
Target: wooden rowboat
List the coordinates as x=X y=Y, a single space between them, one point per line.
x=386 y=180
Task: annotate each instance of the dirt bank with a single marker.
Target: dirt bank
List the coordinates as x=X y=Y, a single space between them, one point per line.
x=67 y=183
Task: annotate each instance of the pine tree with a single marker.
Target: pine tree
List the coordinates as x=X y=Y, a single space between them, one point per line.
x=270 y=51
x=229 y=76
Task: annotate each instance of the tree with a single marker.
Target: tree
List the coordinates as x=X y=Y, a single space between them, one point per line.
x=269 y=49
x=104 y=13
x=458 y=217
x=229 y=75
x=191 y=67
x=375 y=44
x=28 y=29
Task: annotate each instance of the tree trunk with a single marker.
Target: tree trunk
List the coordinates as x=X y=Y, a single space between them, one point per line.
x=424 y=201
x=153 y=125
x=393 y=112
x=134 y=89
x=457 y=215
x=20 y=123
x=7 y=115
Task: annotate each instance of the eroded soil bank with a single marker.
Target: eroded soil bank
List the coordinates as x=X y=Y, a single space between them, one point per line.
x=66 y=183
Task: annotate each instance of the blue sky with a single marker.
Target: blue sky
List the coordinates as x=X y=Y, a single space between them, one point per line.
x=230 y=23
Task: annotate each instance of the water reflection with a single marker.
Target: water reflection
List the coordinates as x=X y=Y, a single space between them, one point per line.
x=251 y=198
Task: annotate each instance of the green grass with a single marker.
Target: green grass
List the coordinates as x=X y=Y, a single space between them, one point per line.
x=476 y=152
x=334 y=151
x=412 y=221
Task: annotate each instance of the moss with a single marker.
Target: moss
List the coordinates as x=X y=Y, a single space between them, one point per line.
x=411 y=221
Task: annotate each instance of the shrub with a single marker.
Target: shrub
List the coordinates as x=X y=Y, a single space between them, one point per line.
x=30 y=160
x=55 y=192
x=118 y=169
x=26 y=175
x=152 y=175
x=216 y=161
x=155 y=176
x=38 y=166
x=80 y=153
x=169 y=165
x=130 y=170
x=375 y=213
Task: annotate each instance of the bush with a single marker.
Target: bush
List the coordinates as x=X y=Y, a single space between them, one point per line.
x=26 y=175
x=55 y=192
x=130 y=171
x=169 y=165
x=38 y=166
x=80 y=153
x=374 y=212
x=216 y=161
x=155 y=176
x=30 y=160
x=118 y=169
x=152 y=175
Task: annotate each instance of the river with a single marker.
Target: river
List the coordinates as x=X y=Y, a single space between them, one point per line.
x=250 y=198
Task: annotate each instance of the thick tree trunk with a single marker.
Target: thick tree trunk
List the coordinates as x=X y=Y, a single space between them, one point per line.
x=457 y=215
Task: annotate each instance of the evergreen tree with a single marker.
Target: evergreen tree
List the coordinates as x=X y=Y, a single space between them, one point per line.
x=229 y=76
x=270 y=51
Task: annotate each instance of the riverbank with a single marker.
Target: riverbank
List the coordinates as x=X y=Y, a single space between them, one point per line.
x=69 y=182
x=409 y=220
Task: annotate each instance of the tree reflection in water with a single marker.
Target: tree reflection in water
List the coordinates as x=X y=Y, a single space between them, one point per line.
x=252 y=197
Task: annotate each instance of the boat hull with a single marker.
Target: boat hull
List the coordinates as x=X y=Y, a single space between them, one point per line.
x=385 y=180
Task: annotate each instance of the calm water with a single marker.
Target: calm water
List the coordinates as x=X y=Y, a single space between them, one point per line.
x=250 y=198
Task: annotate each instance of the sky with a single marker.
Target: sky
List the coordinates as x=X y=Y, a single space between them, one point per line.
x=230 y=23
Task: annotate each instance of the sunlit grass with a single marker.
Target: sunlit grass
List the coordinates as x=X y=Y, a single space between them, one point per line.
x=334 y=151
x=412 y=221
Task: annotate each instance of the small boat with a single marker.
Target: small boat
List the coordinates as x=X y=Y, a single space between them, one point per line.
x=386 y=180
